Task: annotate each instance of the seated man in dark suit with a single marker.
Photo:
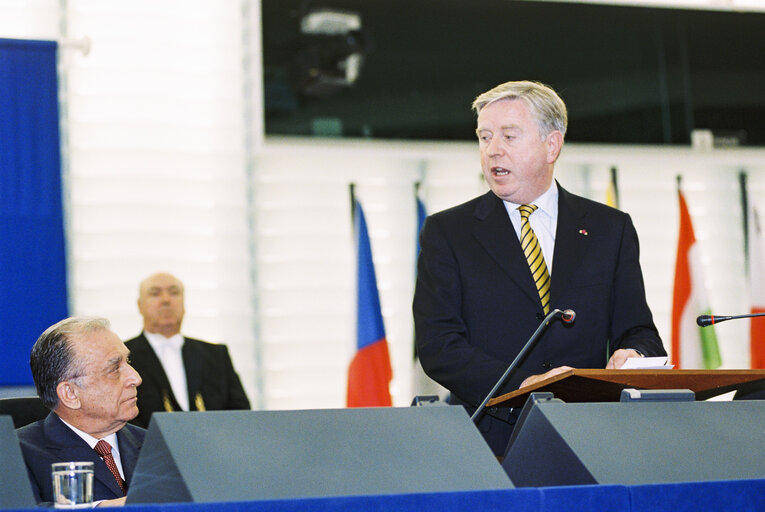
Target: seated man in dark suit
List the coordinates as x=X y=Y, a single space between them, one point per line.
x=82 y=374
x=179 y=373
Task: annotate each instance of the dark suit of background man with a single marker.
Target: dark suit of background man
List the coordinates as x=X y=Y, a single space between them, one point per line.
x=476 y=303
x=179 y=373
x=81 y=372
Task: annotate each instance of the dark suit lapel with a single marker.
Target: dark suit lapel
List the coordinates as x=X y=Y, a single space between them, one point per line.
x=129 y=450
x=570 y=242
x=192 y=361
x=70 y=447
x=151 y=369
x=496 y=234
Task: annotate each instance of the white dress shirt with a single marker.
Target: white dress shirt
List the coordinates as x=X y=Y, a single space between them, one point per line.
x=544 y=222
x=92 y=441
x=168 y=351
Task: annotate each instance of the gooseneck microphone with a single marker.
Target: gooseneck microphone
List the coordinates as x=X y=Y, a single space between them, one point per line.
x=704 y=320
x=566 y=316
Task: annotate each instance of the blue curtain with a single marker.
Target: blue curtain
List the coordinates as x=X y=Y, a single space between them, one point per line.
x=33 y=288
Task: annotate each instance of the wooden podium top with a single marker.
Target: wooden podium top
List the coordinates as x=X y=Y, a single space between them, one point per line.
x=582 y=385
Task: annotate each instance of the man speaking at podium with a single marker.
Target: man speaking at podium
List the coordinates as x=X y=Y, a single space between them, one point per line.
x=491 y=269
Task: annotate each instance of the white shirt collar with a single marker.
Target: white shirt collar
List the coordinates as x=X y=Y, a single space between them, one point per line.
x=111 y=438
x=546 y=203
x=159 y=342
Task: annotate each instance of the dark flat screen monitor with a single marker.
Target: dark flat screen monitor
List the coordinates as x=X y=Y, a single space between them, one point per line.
x=628 y=74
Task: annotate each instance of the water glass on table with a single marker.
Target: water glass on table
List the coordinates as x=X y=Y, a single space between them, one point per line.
x=72 y=484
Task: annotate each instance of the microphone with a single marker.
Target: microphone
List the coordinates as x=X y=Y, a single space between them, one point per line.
x=705 y=320
x=567 y=316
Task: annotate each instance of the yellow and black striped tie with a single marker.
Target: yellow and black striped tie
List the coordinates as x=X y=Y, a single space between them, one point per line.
x=533 y=252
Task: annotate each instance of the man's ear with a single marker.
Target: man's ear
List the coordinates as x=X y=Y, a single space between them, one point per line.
x=68 y=395
x=554 y=144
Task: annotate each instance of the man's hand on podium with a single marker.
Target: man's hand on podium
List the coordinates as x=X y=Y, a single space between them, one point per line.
x=620 y=357
x=617 y=360
x=533 y=379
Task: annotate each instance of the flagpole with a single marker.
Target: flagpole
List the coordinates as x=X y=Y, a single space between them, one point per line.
x=417 y=252
x=352 y=189
x=615 y=185
x=742 y=180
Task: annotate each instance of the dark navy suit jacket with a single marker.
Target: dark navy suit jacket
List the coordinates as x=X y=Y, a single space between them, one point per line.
x=476 y=304
x=209 y=373
x=50 y=440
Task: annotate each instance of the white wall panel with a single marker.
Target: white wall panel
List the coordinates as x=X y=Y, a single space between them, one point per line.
x=156 y=143
x=157 y=177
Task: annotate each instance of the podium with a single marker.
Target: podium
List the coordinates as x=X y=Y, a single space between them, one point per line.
x=581 y=434
x=586 y=385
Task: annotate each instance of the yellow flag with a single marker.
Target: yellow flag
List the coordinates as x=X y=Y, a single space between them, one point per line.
x=612 y=192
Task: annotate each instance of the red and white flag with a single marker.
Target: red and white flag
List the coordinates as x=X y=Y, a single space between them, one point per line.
x=756 y=258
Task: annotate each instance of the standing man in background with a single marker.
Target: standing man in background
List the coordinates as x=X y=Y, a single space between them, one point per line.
x=179 y=373
x=492 y=268
x=82 y=374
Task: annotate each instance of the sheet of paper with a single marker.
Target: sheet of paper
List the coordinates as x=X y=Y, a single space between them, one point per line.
x=647 y=363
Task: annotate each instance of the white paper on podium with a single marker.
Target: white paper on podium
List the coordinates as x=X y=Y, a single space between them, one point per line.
x=647 y=363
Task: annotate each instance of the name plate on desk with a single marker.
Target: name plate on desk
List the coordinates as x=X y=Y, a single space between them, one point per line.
x=633 y=443
x=15 y=489
x=255 y=455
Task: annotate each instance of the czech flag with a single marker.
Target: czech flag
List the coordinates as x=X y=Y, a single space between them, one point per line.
x=370 y=372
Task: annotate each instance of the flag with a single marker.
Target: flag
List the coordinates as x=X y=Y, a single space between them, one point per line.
x=756 y=288
x=692 y=346
x=421 y=215
x=33 y=268
x=370 y=372
x=612 y=192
